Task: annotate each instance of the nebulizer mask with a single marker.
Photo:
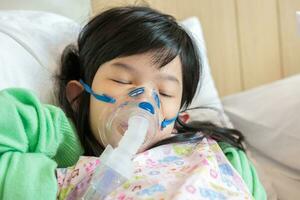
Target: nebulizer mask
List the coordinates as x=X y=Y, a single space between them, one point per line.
x=130 y=123
x=137 y=103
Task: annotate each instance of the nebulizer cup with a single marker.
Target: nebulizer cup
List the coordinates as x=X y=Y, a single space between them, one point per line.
x=130 y=126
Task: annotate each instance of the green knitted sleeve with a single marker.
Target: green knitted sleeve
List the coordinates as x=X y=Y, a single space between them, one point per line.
x=34 y=139
x=245 y=168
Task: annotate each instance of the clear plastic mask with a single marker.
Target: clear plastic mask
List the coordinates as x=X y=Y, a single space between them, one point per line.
x=144 y=104
x=138 y=102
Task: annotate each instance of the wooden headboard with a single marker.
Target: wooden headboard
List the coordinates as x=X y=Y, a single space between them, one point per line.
x=249 y=42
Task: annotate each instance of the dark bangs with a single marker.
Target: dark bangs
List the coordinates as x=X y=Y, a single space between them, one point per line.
x=120 y=32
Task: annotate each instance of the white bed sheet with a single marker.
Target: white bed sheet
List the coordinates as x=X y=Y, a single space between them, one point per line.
x=269 y=117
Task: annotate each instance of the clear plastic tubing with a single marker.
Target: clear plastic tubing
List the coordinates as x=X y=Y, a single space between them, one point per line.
x=116 y=164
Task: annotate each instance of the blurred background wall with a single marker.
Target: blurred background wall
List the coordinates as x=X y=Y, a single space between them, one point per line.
x=249 y=42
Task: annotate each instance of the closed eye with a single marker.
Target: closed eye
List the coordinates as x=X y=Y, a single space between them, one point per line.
x=121 y=81
x=165 y=95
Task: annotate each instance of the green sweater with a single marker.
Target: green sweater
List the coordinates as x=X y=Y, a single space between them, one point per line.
x=35 y=139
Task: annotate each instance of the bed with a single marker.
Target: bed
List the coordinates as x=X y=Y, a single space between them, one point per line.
x=268 y=115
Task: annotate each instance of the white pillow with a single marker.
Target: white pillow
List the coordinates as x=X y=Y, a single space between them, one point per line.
x=31 y=46
x=30 y=50
x=78 y=10
x=207 y=95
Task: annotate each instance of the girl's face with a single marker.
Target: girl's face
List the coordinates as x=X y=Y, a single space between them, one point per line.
x=119 y=76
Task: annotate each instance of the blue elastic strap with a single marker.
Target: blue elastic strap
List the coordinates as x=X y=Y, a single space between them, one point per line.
x=101 y=97
x=166 y=122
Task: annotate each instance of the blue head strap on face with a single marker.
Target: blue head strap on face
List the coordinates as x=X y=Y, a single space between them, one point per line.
x=101 y=97
x=167 y=122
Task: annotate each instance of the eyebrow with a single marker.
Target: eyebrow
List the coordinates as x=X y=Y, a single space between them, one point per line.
x=170 y=78
x=124 y=66
x=132 y=69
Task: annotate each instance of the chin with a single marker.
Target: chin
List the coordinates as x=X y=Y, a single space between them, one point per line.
x=144 y=148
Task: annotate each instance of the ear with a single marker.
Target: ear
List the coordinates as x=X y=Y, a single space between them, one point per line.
x=73 y=89
x=184 y=117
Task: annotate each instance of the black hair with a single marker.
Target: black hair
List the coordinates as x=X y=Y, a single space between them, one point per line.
x=125 y=31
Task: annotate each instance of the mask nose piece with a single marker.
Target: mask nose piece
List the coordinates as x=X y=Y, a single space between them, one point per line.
x=156 y=99
x=147 y=106
x=136 y=92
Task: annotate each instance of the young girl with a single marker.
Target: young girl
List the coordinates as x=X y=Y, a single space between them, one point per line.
x=123 y=53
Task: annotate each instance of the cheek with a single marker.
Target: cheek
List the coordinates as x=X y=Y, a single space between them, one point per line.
x=169 y=110
x=161 y=135
x=167 y=131
x=170 y=107
x=96 y=117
